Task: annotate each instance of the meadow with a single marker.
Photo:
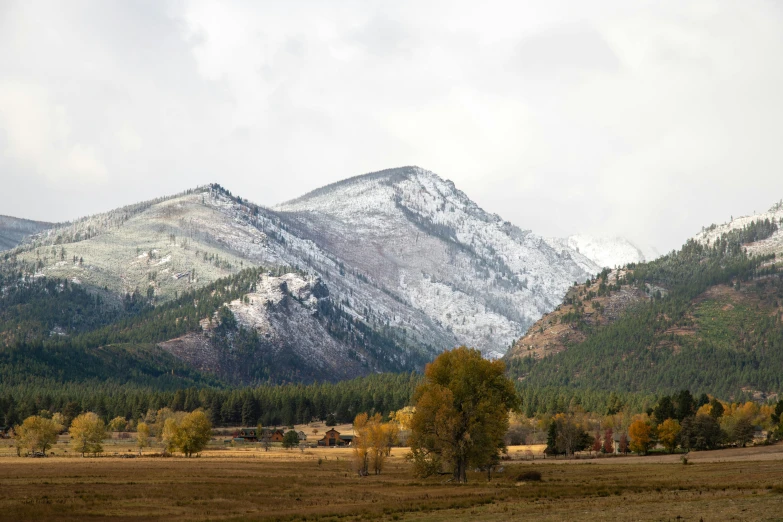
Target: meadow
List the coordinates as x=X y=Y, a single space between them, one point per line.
x=248 y=483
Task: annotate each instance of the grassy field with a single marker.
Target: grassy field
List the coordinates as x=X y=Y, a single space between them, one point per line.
x=252 y=484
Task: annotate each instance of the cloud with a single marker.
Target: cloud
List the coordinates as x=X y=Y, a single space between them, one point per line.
x=646 y=119
x=565 y=49
x=37 y=135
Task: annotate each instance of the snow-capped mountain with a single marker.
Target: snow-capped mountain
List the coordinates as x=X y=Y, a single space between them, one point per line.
x=770 y=245
x=399 y=252
x=465 y=276
x=606 y=252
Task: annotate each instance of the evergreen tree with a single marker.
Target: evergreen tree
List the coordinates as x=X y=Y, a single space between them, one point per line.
x=250 y=410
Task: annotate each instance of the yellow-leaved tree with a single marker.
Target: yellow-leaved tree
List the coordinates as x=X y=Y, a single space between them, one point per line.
x=168 y=435
x=87 y=433
x=461 y=414
x=189 y=435
x=403 y=417
x=669 y=434
x=373 y=442
x=36 y=433
x=142 y=436
x=118 y=424
x=362 y=441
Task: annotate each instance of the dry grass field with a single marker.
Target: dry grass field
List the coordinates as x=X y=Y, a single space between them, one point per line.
x=252 y=484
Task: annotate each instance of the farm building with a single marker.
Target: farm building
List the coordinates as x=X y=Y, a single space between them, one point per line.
x=274 y=435
x=248 y=434
x=333 y=438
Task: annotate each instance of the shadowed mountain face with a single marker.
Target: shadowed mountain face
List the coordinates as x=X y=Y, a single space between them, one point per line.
x=14 y=230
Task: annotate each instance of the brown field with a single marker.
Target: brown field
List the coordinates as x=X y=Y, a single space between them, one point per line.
x=251 y=484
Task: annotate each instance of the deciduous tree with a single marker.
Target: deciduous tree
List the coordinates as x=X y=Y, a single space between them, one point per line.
x=36 y=433
x=461 y=413
x=142 y=436
x=87 y=433
x=701 y=432
x=362 y=442
x=597 y=442
x=623 y=445
x=118 y=424
x=373 y=442
x=570 y=436
x=608 y=446
x=192 y=433
x=669 y=434
x=640 y=432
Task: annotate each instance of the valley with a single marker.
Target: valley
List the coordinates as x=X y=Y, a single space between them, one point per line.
x=320 y=484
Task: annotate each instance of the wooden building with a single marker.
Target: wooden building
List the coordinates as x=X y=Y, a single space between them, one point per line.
x=333 y=438
x=248 y=434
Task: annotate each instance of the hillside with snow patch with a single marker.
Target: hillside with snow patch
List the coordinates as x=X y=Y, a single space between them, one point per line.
x=465 y=276
x=410 y=264
x=15 y=230
x=606 y=252
x=770 y=245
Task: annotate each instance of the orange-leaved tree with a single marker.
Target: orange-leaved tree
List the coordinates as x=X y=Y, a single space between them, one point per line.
x=640 y=432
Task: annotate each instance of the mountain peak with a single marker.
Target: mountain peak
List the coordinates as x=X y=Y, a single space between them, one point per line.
x=389 y=176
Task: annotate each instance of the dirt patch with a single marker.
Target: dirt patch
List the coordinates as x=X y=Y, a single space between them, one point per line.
x=557 y=330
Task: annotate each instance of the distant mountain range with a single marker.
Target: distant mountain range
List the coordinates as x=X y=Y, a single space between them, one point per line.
x=402 y=253
x=381 y=272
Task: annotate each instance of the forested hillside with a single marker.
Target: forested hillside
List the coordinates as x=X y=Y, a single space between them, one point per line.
x=58 y=331
x=709 y=320
x=401 y=249
x=14 y=230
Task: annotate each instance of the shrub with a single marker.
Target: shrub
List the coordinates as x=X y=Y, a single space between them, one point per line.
x=529 y=476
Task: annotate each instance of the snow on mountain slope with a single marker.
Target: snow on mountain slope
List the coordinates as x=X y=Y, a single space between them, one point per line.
x=773 y=244
x=401 y=251
x=15 y=230
x=606 y=252
x=479 y=280
x=290 y=338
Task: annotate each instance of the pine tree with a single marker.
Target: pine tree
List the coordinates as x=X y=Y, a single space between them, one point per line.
x=250 y=410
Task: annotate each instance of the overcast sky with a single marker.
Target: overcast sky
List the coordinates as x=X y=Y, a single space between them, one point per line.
x=646 y=120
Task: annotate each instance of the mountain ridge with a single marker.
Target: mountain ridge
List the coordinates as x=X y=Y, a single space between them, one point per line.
x=410 y=266
x=14 y=231
x=705 y=317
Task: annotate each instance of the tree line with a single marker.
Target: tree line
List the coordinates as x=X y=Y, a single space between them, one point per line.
x=188 y=433
x=272 y=405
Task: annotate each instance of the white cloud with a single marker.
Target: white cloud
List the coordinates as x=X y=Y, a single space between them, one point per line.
x=648 y=119
x=38 y=136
